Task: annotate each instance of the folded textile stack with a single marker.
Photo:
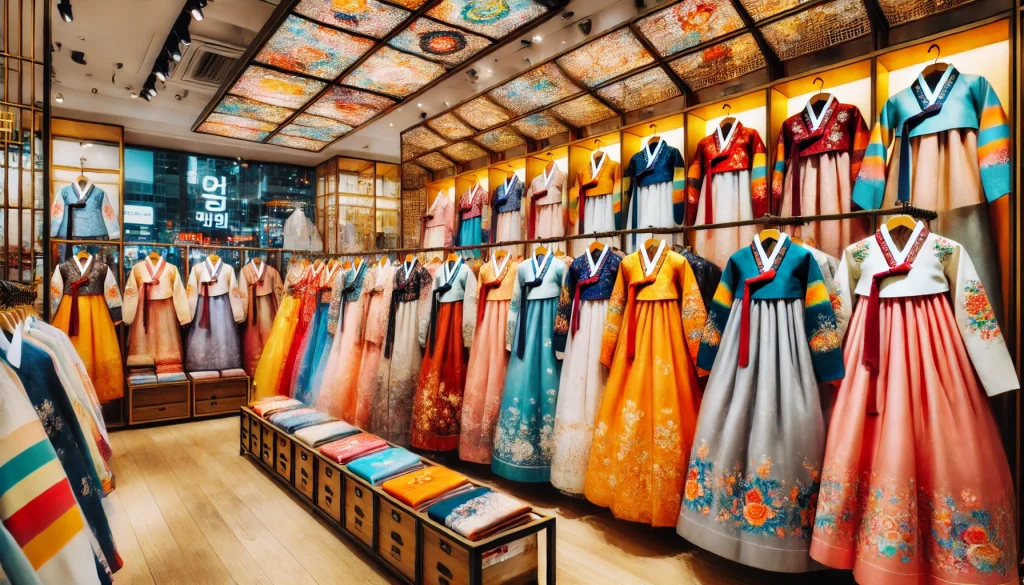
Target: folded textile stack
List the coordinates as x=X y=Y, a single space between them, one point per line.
x=382 y=466
x=354 y=447
x=428 y=486
x=170 y=373
x=269 y=407
x=480 y=513
x=233 y=373
x=296 y=419
x=141 y=370
x=324 y=433
x=204 y=374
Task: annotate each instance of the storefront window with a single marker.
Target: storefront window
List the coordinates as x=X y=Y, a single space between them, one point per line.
x=173 y=197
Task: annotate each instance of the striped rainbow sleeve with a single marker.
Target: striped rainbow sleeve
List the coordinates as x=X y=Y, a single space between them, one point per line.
x=759 y=177
x=693 y=184
x=718 y=317
x=779 y=173
x=678 y=188
x=870 y=187
x=861 y=139
x=994 y=146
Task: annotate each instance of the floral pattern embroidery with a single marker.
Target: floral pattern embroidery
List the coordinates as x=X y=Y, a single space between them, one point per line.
x=860 y=251
x=826 y=336
x=712 y=334
x=981 y=319
x=943 y=249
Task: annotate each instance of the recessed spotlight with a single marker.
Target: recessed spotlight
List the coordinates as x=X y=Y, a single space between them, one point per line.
x=59 y=99
x=87 y=145
x=537 y=38
x=563 y=42
x=490 y=71
x=419 y=105
x=447 y=104
x=390 y=124
x=133 y=95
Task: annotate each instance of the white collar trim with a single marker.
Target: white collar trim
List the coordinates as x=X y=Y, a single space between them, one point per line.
x=657 y=150
x=499 y=267
x=596 y=168
x=258 y=268
x=901 y=255
x=84 y=269
x=932 y=94
x=817 y=120
x=408 y=266
x=767 y=260
x=726 y=140
x=651 y=263
x=595 y=266
x=537 y=269
x=82 y=192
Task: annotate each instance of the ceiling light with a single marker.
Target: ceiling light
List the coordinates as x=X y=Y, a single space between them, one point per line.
x=145 y=96
x=447 y=105
x=537 y=38
x=180 y=30
x=64 y=8
x=86 y=144
x=133 y=95
x=59 y=99
x=390 y=124
x=490 y=71
x=419 y=105
x=172 y=50
x=196 y=8
x=161 y=69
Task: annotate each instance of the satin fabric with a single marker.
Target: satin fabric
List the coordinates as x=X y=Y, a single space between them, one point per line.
x=96 y=343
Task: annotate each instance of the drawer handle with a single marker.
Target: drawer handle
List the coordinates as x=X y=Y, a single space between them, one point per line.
x=443 y=581
x=214 y=397
x=304 y=473
x=396 y=517
x=359 y=512
x=213 y=403
x=304 y=482
x=359 y=522
x=304 y=456
x=447 y=548
x=329 y=472
x=330 y=500
x=444 y=570
x=397 y=538
x=359 y=492
x=161 y=409
x=396 y=552
x=328 y=489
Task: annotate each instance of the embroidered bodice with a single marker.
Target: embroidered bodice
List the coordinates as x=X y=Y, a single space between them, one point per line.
x=155 y=281
x=93 y=213
x=548 y=188
x=472 y=202
x=410 y=282
x=740 y=150
x=502 y=271
x=99 y=279
x=586 y=279
x=263 y=280
x=509 y=195
x=657 y=162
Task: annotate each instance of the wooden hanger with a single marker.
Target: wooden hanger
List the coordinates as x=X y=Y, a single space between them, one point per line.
x=652 y=245
x=501 y=254
x=933 y=72
x=435 y=260
x=598 y=153
x=797 y=240
x=82 y=180
x=901 y=221
x=304 y=262
x=154 y=255
x=559 y=253
x=821 y=98
x=383 y=260
x=213 y=258
x=452 y=259
x=346 y=264
x=540 y=251
x=409 y=258
x=728 y=121
x=256 y=260
x=82 y=254
x=770 y=234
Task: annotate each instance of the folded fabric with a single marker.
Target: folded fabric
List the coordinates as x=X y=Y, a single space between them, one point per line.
x=169 y=368
x=171 y=377
x=389 y=463
x=268 y=400
x=140 y=360
x=354 y=447
x=290 y=421
x=480 y=513
x=420 y=489
x=269 y=408
x=204 y=374
x=233 y=373
x=323 y=433
x=136 y=379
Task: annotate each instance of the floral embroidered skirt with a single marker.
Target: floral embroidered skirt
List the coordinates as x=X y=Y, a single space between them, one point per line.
x=96 y=343
x=217 y=347
x=485 y=380
x=437 y=405
x=314 y=358
x=339 y=389
x=526 y=421
x=161 y=338
x=752 y=482
x=921 y=492
x=255 y=335
x=396 y=379
x=644 y=428
x=268 y=370
x=579 y=396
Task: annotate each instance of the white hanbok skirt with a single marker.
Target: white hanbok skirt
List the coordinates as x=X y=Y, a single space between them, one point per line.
x=510 y=229
x=731 y=192
x=599 y=216
x=653 y=209
x=435 y=237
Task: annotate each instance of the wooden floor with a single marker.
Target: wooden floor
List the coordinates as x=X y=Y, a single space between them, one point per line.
x=188 y=509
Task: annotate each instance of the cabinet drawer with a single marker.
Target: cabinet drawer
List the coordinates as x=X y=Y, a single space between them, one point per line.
x=243 y=433
x=158 y=395
x=219 y=406
x=254 y=437
x=447 y=563
x=222 y=388
x=359 y=511
x=161 y=412
x=267 y=445
x=328 y=490
x=444 y=561
x=396 y=538
x=283 y=456
x=303 y=465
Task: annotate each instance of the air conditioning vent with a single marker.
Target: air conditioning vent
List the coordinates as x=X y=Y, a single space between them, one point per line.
x=211 y=68
x=207 y=64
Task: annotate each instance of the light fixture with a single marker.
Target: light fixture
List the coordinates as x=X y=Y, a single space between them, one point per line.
x=196 y=8
x=86 y=144
x=145 y=96
x=161 y=69
x=172 y=50
x=419 y=105
x=59 y=99
x=390 y=124
x=180 y=30
x=133 y=95
x=447 y=105
x=64 y=8
x=537 y=38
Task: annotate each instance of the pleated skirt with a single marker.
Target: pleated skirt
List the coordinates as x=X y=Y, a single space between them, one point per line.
x=485 y=380
x=216 y=347
x=268 y=370
x=314 y=359
x=728 y=194
x=471 y=234
x=599 y=216
x=653 y=209
x=161 y=340
x=396 y=381
x=435 y=237
x=437 y=404
x=509 y=226
x=339 y=389
x=255 y=335
x=96 y=343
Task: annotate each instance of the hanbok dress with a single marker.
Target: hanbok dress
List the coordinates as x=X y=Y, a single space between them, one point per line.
x=346 y=319
x=752 y=482
x=817 y=161
x=381 y=285
x=644 y=427
x=216 y=304
x=708 y=275
x=471 y=217
x=595 y=202
x=488 y=359
x=314 y=358
x=507 y=215
x=439 y=222
x=437 y=404
x=548 y=196
x=307 y=290
x=403 y=352
x=264 y=291
x=727 y=181
x=268 y=370
x=916 y=488
x=155 y=308
x=524 y=436
x=579 y=329
x=83 y=213
x=86 y=304
x=654 y=184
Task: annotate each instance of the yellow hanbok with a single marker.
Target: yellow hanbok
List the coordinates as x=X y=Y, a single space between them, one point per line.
x=275 y=352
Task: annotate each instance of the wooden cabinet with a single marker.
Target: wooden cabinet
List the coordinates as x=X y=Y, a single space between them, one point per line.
x=396 y=538
x=328 y=489
x=283 y=456
x=219 y=396
x=303 y=464
x=158 y=402
x=359 y=518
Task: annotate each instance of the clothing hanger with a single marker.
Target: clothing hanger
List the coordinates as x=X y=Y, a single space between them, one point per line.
x=452 y=259
x=797 y=240
x=654 y=137
x=409 y=258
x=598 y=153
x=213 y=258
x=383 y=260
x=933 y=72
x=83 y=254
x=559 y=254
x=728 y=121
x=82 y=180
x=540 y=251
x=901 y=221
x=817 y=103
x=770 y=235
x=256 y=260
x=501 y=254
x=652 y=245
x=154 y=256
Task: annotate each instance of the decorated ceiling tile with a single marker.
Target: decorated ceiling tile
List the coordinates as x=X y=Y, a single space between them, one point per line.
x=482 y=113
x=464 y=151
x=538 y=87
x=450 y=127
x=410 y=4
x=492 y=18
x=439 y=42
x=410 y=151
x=303 y=46
x=393 y=73
x=539 y=126
x=641 y=90
x=423 y=138
x=500 y=139
x=435 y=161
x=762 y=9
x=583 y=111
x=297 y=142
x=718 y=63
x=368 y=17
x=605 y=58
x=350 y=106
x=316 y=128
x=229 y=120
x=688 y=24
x=899 y=12
x=817 y=28
x=279 y=89
x=233 y=131
x=239 y=106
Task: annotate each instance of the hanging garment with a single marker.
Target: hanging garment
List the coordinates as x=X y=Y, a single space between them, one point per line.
x=471 y=231
x=86 y=305
x=816 y=163
x=83 y=213
x=156 y=307
x=915 y=480
x=313 y=362
x=548 y=196
x=508 y=217
x=644 y=427
x=526 y=421
x=579 y=328
x=437 y=404
x=488 y=359
x=307 y=291
x=956 y=162
x=655 y=186
x=346 y=319
x=403 y=352
x=371 y=386
x=264 y=291
x=439 y=222
x=216 y=304
x=771 y=336
x=300 y=233
x=727 y=181
x=268 y=369
x=707 y=273
x=595 y=202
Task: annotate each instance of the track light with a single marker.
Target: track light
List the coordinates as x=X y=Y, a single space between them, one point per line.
x=161 y=68
x=145 y=96
x=196 y=9
x=172 y=51
x=180 y=30
x=64 y=8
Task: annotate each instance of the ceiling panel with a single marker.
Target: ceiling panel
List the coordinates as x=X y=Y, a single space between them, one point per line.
x=230 y=120
x=316 y=128
x=718 y=63
x=500 y=139
x=817 y=28
x=492 y=18
x=899 y=12
x=423 y=138
x=351 y=106
x=535 y=89
x=605 y=58
x=393 y=73
x=232 y=131
x=762 y=9
x=450 y=127
x=435 y=161
x=583 y=111
x=439 y=42
x=464 y=151
x=297 y=142
x=275 y=88
x=482 y=113
x=688 y=24
x=368 y=17
x=303 y=46
x=539 y=126
x=641 y=90
x=247 y=108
